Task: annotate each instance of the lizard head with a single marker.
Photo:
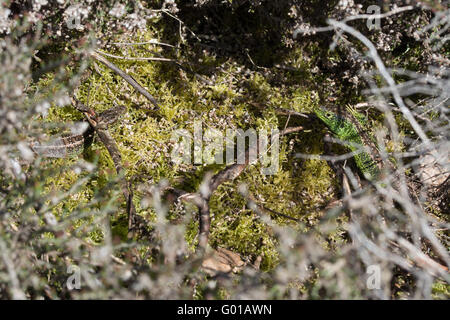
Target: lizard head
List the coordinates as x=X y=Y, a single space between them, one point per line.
x=328 y=117
x=111 y=115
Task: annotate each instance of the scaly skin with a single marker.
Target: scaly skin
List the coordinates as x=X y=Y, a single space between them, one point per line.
x=346 y=131
x=72 y=145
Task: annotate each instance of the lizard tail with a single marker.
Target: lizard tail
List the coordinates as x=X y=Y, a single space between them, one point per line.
x=64 y=146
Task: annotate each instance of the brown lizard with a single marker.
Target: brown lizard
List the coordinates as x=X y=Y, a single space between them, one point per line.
x=69 y=145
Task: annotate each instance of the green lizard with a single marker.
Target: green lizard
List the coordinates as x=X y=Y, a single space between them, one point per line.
x=70 y=145
x=346 y=131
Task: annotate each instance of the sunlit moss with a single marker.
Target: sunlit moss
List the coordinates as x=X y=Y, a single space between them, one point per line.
x=143 y=138
x=441 y=290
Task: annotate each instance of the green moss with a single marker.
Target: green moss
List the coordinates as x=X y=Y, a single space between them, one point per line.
x=143 y=139
x=441 y=290
x=119 y=227
x=239 y=229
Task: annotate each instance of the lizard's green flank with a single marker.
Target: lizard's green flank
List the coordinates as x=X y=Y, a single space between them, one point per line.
x=346 y=131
